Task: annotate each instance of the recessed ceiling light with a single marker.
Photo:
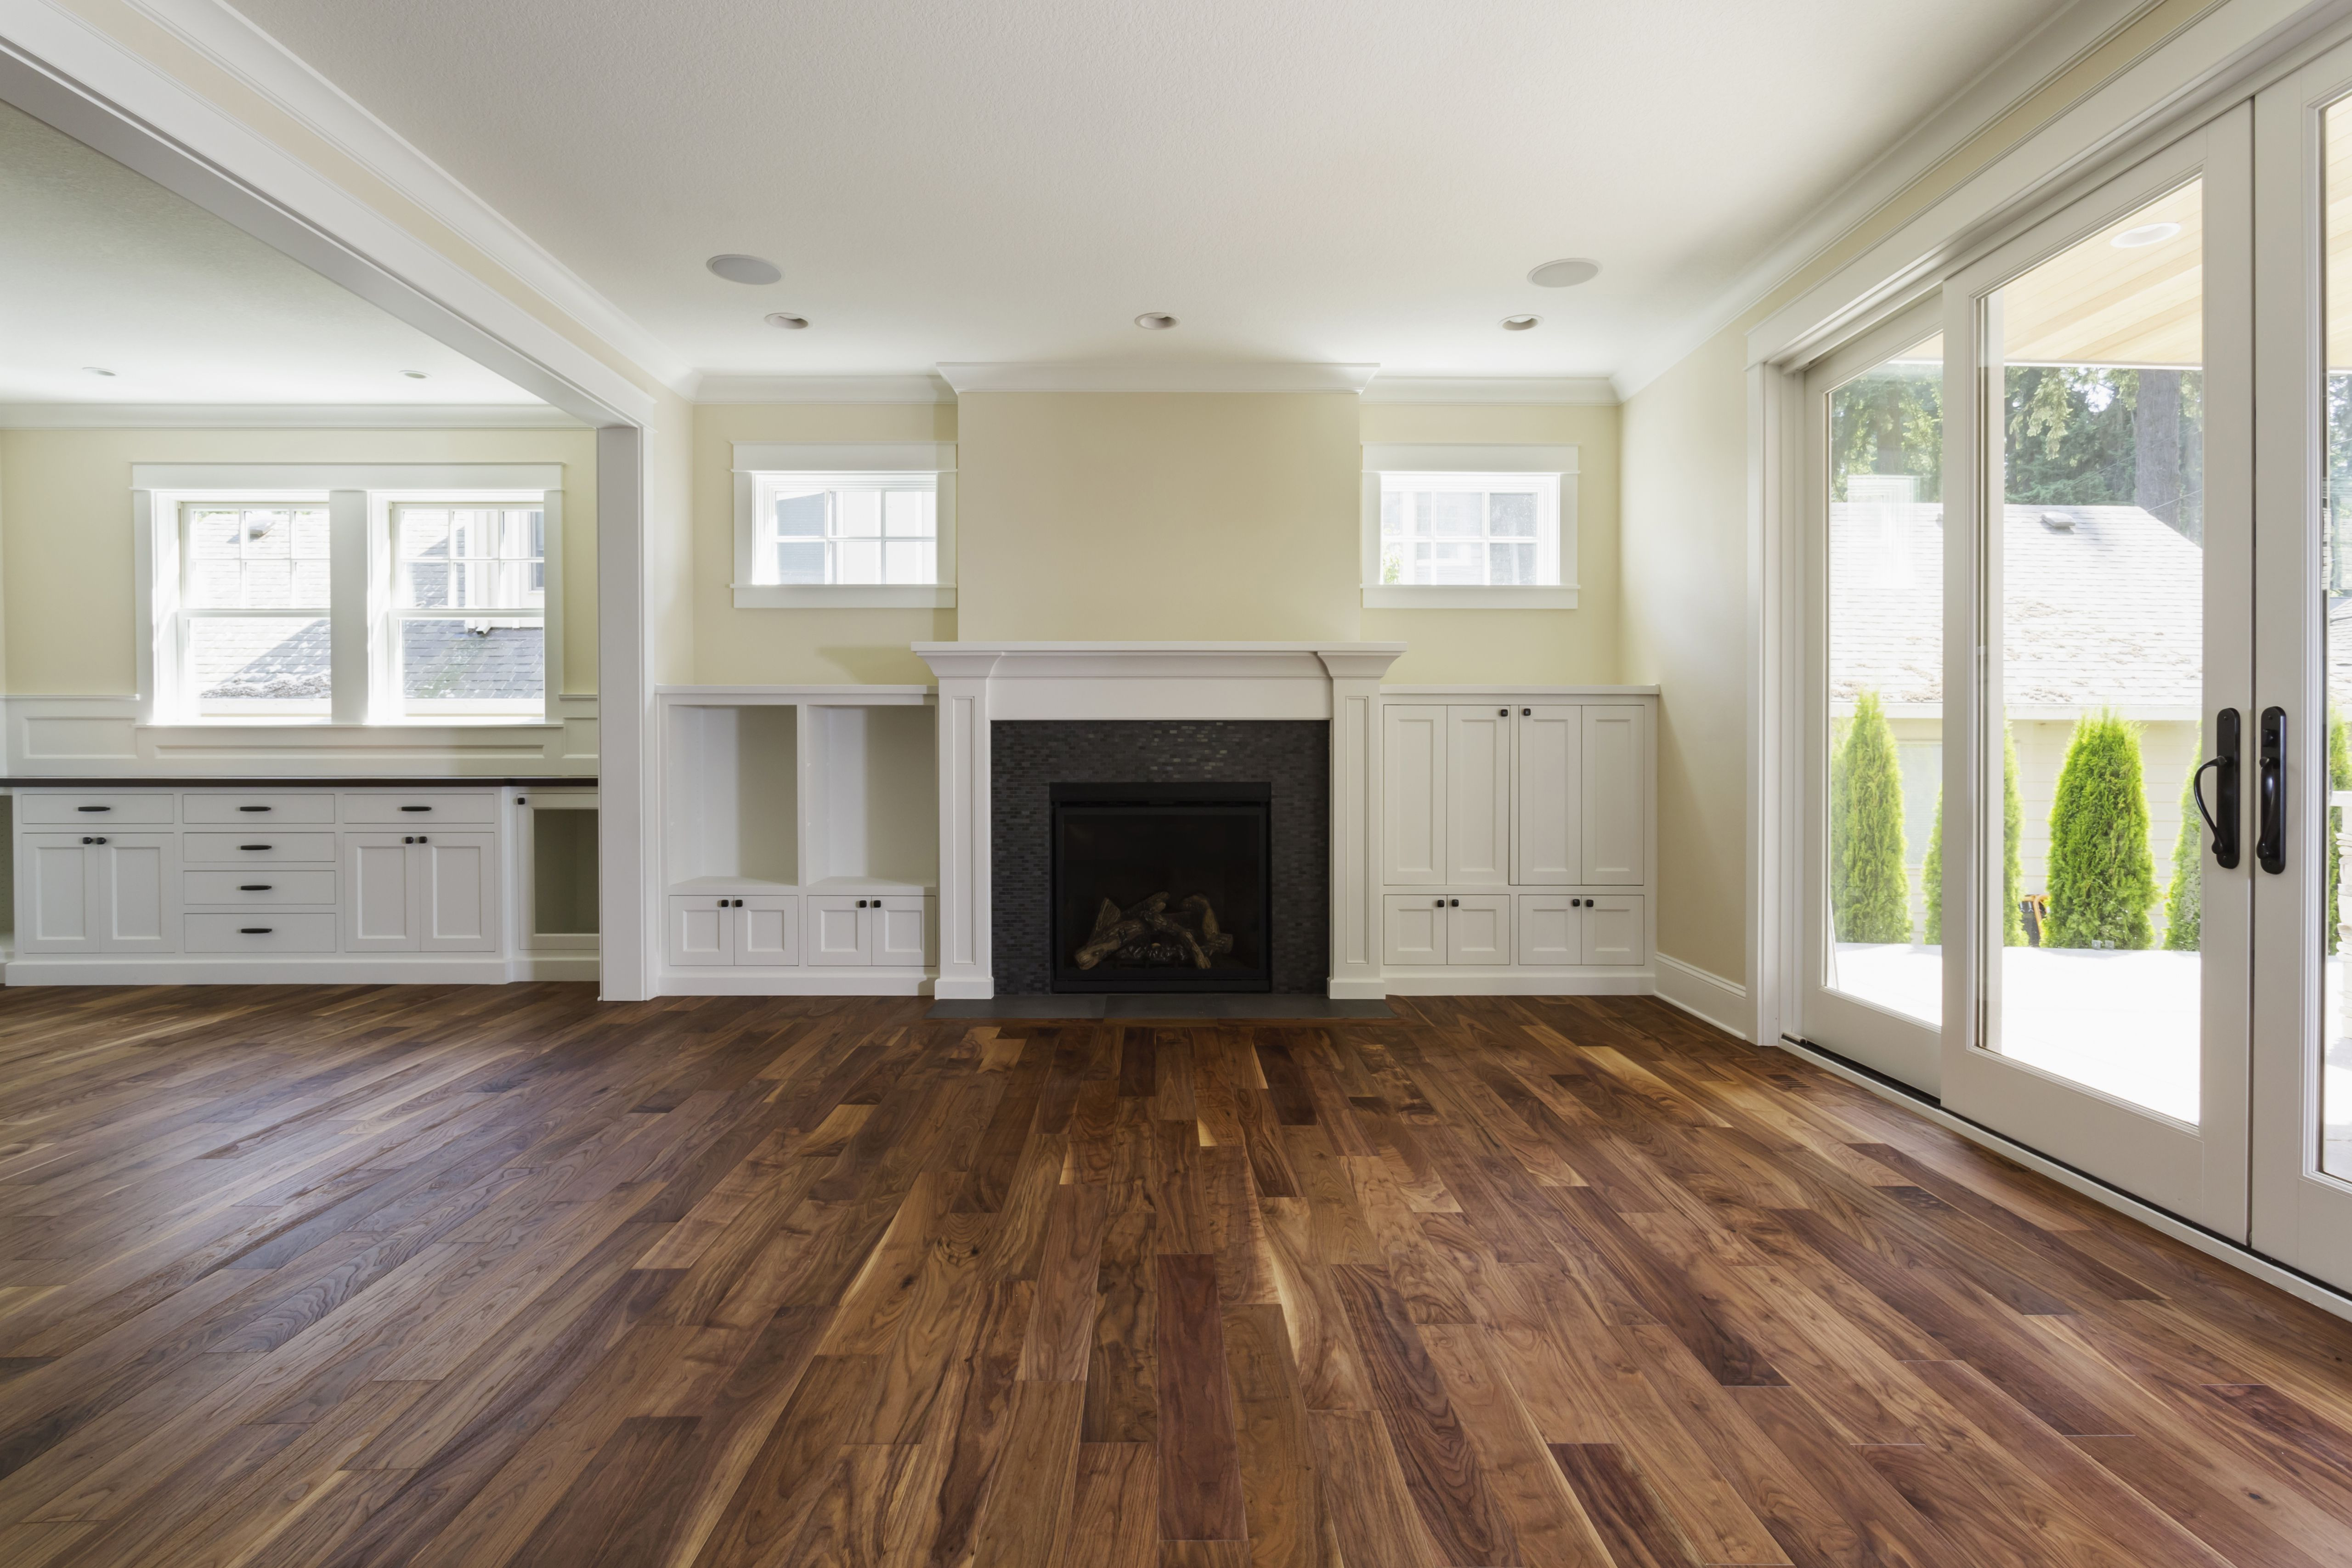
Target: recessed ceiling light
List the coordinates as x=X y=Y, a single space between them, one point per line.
x=787 y=321
x=2146 y=234
x=1155 y=321
x=1520 y=323
x=744 y=268
x=1564 y=274
x=414 y=374
x=98 y=370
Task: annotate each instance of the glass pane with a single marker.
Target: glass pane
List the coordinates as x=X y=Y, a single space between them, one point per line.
x=907 y=514
x=2336 y=557
x=1391 y=518
x=1453 y=514
x=800 y=563
x=1510 y=515
x=1511 y=564
x=490 y=666
x=272 y=661
x=801 y=516
x=215 y=584
x=857 y=513
x=1886 y=684
x=857 y=561
x=2101 y=572
x=268 y=535
x=213 y=534
x=909 y=561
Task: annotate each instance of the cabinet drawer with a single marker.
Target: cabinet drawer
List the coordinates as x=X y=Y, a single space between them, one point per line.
x=261 y=847
x=239 y=887
x=259 y=810
x=276 y=932
x=121 y=808
x=422 y=809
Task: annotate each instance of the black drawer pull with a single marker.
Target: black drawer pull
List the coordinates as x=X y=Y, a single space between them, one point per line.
x=257 y=847
x=93 y=808
x=416 y=808
x=254 y=930
x=253 y=808
x=253 y=887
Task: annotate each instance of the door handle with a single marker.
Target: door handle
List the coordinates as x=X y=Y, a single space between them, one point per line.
x=2269 y=787
x=2224 y=816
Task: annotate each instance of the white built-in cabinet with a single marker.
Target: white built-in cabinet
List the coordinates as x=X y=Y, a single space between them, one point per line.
x=1516 y=839
x=800 y=844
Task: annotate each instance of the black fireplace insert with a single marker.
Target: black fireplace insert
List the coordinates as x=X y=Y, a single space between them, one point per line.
x=1162 y=887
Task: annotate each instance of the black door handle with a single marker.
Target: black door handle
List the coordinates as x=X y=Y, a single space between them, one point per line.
x=2223 y=818
x=2269 y=787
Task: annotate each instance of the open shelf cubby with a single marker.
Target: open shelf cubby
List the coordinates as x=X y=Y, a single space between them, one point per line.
x=870 y=792
x=733 y=794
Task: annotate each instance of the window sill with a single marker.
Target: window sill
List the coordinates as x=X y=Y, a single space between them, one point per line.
x=1401 y=597
x=314 y=726
x=844 y=597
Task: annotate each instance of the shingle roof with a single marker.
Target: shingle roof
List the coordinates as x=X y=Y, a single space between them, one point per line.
x=281 y=659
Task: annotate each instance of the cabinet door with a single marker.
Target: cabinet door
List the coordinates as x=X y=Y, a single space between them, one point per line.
x=457 y=882
x=1478 y=929
x=1546 y=828
x=768 y=929
x=1414 y=929
x=1612 y=931
x=1551 y=930
x=1616 y=816
x=1478 y=796
x=135 y=894
x=57 y=905
x=1412 y=787
x=838 y=930
x=379 y=893
x=701 y=931
x=902 y=926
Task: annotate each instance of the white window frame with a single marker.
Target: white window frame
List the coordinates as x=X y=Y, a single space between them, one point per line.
x=236 y=710
x=754 y=461
x=1500 y=458
x=388 y=616
x=359 y=498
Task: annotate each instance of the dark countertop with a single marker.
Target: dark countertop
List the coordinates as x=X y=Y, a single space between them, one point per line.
x=283 y=781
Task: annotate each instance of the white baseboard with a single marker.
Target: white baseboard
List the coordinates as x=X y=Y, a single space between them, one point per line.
x=1356 y=989
x=750 y=982
x=555 y=966
x=2239 y=1258
x=329 y=970
x=1720 y=1002
x=1519 y=983
x=965 y=989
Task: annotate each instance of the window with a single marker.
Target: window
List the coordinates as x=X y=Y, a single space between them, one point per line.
x=469 y=592
x=1456 y=527
x=343 y=594
x=856 y=525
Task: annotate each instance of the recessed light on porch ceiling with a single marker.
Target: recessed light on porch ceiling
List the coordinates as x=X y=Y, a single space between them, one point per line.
x=98 y=370
x=1520 y=323
x=2146 y=234
x=415 y=375
x=1566 y=273
x=738 y=269
x=1155 y=321
x=787 y=321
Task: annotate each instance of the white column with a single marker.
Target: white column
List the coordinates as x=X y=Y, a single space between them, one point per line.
x=964 y=836
x=1355 y=970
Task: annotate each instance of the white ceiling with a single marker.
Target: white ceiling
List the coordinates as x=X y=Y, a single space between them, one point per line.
x=100 y=265
x=1326 y=180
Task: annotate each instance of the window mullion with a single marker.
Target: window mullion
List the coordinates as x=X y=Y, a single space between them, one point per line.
x=348 y=589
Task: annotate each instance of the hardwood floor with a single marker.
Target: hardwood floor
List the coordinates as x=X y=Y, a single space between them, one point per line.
x=410 y=1276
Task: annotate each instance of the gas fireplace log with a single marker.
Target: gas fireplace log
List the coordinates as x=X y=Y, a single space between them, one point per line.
x=1144 y=934
x=1105 y=918
x=1103 y=944
x=1187 y=942
x=1205 y=915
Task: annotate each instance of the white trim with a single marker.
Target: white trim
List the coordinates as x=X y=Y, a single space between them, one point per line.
x=1471 y=458
x=802 y=981
x=224 y=37
x=919 y=386
x=847 y=695
x=1709 y=997
x=1517 y=692
x=285 y=416
x=1611 y=982
x=844 y=457
x=331 y=969
x=845 y=595
x=2035 y=61
x=1550 y=391
x=1172 y=375
x=434 y=478
x=81 y=736
x=1474 y=596
x=2240 y=1259
x=628 y=814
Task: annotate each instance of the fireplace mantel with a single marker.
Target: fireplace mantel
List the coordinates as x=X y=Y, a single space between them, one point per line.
x=984 y=681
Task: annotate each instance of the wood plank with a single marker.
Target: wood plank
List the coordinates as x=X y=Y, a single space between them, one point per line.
x=1200 y=1474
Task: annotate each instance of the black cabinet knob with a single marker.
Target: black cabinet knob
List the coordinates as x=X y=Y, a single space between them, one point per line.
x=1526 y=712
x=97 y=841
x=1454 y=903
x=1503 y=712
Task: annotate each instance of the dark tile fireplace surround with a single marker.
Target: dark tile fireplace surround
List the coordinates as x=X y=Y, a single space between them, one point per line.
x=1292 y=757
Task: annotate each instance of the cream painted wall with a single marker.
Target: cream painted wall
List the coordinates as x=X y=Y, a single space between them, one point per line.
x=1549 y=648
x=1684 y=619
x=800 y=647
x=66 y=545
x=1149 y=516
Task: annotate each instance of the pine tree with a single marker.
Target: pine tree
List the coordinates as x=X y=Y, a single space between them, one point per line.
x=2184 y=902
x=2339 y=776
x=2013 y=824
x=2101 y=880
x=1870 y=893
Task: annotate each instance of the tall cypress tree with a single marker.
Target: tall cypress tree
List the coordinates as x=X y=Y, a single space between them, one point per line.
x=2184 y=902
x=2012 y=828
x=2101 y=880
x=2339 y=776
x=1870 y=893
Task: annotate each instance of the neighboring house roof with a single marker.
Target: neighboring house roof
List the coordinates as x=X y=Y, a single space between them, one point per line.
x=2104 y=606
x=280 y=659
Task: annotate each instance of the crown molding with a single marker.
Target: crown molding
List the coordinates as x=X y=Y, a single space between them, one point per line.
x=285 y=416
x=2034 y=61
x=1579 y=391
x=919 y=387
x=229 y=41
x=1153 y=376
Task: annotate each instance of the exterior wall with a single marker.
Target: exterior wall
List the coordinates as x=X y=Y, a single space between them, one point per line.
x=66 y=545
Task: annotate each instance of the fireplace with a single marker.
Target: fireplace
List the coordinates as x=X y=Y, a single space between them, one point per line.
x=1162 y=887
